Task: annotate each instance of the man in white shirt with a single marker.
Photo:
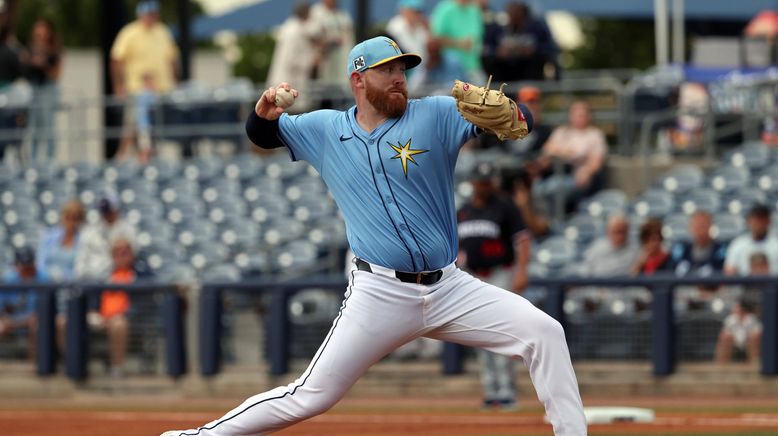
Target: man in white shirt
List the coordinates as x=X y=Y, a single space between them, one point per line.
x=409 y=28
x=294 y=54
x=755 y=241
x=335 y=32
x=93 y=256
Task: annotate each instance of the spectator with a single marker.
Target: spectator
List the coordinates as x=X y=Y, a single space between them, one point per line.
x=143 y=47
x=521 y=48
x=653 y=257
x=757 y=240
x=115 y=304
x=521 y=190
x=494 y=246
x=438 y=71
x=702 y=255
x=582 y=149
x=459 y=27
x=613 y=255
x=10 y=64
x=93 y=255
x=17 y=309
x=335 y=32
x=531 y=146
x=144 y=104
x=57 y=252
x=741 y=332
x=294 y=54
x=42 y=68
x=409 y=28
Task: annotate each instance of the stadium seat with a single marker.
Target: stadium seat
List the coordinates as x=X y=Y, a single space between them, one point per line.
x=272 y=208
x=294 y=258
x=239 y=233
x=41 y=172
x=675 y=227
x=727 y=179
x=767 y=181
x=654 y=203
x=582 y=229
x=739 y=202
x=682 y=179
x=279 y=232
x=161 y=171
x=606 y=202
x=119 y=172
x=752 y=156
x=221 y=273
x=205 y=255
x=556 y=252
x=56 y=193
x=327 y=233
x=252 y=263
x=80 y=172
x=203 y=169
x=727 y=226
x=700 y=199
x=243 y=167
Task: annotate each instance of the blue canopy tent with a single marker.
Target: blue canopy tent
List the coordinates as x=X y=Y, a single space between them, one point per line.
x=266 y=14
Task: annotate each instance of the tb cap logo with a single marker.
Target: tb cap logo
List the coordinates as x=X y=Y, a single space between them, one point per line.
x=359 y=63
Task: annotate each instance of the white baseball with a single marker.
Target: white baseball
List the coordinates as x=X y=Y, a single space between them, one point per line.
x=284 y=98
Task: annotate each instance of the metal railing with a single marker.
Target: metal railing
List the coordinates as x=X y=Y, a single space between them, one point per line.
x=211 y=308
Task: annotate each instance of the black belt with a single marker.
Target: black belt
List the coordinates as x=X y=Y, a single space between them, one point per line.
x=421 y=278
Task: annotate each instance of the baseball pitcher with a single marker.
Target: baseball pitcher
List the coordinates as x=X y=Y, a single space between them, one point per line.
x=389 y=163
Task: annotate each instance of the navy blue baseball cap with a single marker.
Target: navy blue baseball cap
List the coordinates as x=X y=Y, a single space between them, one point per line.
x=378 y=51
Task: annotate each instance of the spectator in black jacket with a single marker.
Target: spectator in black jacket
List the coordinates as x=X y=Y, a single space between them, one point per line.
x=702 y=255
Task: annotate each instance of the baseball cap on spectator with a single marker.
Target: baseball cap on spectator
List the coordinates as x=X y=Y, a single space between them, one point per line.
x=483 y=171
x=378 y=51
x=108 y=202
x=146 y=7
x=411 y=4
x=759 y=211
x=529 y=94
x=24 y=256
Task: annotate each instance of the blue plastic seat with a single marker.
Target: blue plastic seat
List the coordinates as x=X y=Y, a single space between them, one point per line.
x=583 y=228
x=707 y=200
x=753 y=156
x=252 y=263
x=203 y=169
x=116 y=173
x=205 y=255
x=328 y=233
x=682 y=179
x=80 y=172
x=606 y=202
x=161 y=171
x=675 y=227
x=221 y=273
x=270 y=209
x=654 y=203
x=294 y=257
x=727 y=179
x=243 y=167
x=279 y=232
x=739 y=202
x=556 y=252
x=727 y=227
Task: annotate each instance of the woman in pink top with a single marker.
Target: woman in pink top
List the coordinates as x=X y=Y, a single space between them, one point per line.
x=581 y=148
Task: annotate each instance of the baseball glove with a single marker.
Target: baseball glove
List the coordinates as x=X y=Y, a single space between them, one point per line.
x=492 y=110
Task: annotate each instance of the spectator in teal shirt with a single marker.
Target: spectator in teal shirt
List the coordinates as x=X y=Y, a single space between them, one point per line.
x=458 y=24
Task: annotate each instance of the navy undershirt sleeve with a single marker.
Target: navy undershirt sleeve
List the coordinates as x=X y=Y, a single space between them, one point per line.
x=264 y=133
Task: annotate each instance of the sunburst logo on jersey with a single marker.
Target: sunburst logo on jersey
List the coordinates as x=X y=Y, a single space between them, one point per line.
x=405 y=154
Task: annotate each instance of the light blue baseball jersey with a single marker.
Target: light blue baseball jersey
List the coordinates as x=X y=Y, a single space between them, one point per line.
x=395 y=185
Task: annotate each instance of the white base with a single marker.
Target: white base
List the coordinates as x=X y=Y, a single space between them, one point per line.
x=611 y=415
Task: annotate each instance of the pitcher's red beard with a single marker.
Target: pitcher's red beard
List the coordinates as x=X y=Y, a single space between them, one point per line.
x=391 y=103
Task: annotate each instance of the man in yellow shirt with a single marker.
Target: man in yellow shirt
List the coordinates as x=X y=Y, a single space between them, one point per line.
x=144 y=52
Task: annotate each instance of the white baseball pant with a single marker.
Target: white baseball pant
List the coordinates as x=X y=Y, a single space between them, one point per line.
x=380 y=313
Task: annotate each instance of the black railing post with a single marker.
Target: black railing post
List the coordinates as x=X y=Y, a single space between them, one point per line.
x=453 y=358
x=76 y=337
x=663 y=330
x=279 y=333
x=46 y=353
x=555 y=304
x=770 y=330
x=175 y=339
x=210 y=330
